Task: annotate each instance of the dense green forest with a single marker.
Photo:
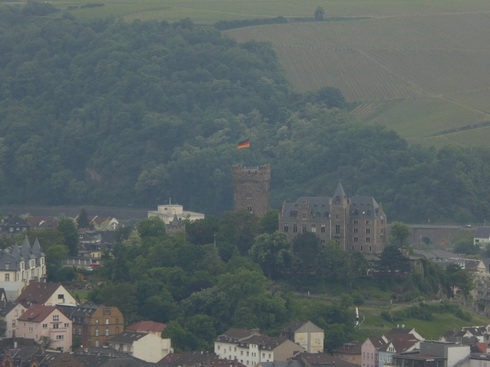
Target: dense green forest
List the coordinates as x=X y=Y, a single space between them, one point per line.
x=109 y=113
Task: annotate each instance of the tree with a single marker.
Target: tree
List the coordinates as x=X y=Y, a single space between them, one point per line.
x=82 y=220
x=399 y=232
x=458 y=278
x=54 y=255
x=319 y=13
x=151 y=227
x=392 y=260
x=272 y=252
x=70 y=235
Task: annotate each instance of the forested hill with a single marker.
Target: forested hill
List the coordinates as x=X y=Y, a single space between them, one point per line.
x=108 y=113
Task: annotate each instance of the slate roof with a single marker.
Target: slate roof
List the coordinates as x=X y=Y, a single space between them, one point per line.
x=127 y=337
x=37 y=313
x=7 y=308
x=196 y=359
x=482 y=232
x=78 y=314
x=37 y=293
x=264 y=342
x=147 y=326
x=11 y=258
x=234 y=334
x=353 y=347
x=322 y=359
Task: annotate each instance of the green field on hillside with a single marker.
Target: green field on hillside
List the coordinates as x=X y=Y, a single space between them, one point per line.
x=430 y=56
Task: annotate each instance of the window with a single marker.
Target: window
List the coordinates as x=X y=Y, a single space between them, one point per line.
x=97 y=322
x=60 y=337
x=106 y=332
x=368 y=230
x=56 y=325
x=45 y=326
x=337 y=228
x=67 y=324
x=107 y=311
x=7 y=266
x=368 y=239
x=367 y=222
x=303 y=228
x=96 y=332
x=286 y=228
x=313 y=228
x=107 y=321
x=7 y=277
x=56 y=317
x=356 y=239
x=356 y=221
x=356 y=230
x=295 y=228
x=322 y=229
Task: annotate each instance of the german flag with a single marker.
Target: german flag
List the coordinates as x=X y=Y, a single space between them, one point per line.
x=244 y=144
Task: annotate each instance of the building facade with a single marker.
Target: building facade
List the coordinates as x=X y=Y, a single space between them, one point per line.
x=305 y=334
x=22 y=264
x=251 y=188
x=94 y=324
x=356 y=224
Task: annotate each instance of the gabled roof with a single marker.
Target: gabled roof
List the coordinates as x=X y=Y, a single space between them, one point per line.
x=37 y=293
x=233 y=335
x=300 y=326
x=322 y=359
x=196 y=358
x=482 y=232
x=37 y=313
x=264 y=342
x=77 y=313
x=353 y=347
x=147 y=326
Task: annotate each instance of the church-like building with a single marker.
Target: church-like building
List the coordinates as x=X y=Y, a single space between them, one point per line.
x=356 y=224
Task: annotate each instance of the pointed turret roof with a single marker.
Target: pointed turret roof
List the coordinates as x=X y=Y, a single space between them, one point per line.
x=25 y=250
x=339 y=192
x=36 y=248
x=15 y=251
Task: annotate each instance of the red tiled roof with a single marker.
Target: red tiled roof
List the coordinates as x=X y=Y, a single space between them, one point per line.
x=37 y=313
x=147 y=326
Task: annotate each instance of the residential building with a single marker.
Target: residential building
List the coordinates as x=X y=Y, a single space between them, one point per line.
x=305 y=334
x=370 y=351
x=13 y=224
x=147 y=347
x=482 y=237
x=434 y=354
x=48 y=294
x=168 y=212
x=10 y=313
x=350 y=352
x=46 y=324
x=397 y=340
x=356 y=224
x=250 y=348
x=251 y=188
x=94 y=324
x=320 y=360
x=196 y=359
x=22 y=264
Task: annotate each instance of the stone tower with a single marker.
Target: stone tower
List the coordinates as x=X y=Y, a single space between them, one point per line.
x=339 y=216
x=251 y=188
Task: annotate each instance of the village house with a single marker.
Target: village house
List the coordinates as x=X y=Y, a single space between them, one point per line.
x=147 y=347
x=249 y=347
x=22 y=264
x=94 y=324
x=356 y=224
x=350 y=352
x=305 y=334
x=46 y=325
x=148 y=327
x=10 y=313
x=48 y=294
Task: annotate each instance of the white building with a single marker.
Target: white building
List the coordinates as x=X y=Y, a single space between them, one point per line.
x=170 y=211
x=22 y=264
x=306 y=334
x=250 y=348
x=147 y=347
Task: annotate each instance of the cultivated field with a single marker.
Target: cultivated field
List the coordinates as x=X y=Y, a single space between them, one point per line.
x=418 y=66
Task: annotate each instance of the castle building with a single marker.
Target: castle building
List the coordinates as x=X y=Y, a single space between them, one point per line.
x=251 y=188
x=356 y=224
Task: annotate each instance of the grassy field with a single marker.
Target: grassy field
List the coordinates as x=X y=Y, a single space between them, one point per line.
x=419 y=67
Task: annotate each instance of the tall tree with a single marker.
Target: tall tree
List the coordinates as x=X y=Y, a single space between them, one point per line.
x=399 y=232
x=272 y=252
x=82 y=219
x=70 y=235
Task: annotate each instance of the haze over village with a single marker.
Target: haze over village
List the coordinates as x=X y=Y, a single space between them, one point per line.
x=244 y=184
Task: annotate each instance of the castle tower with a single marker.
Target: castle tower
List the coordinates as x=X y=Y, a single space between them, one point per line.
x=339 y=216
x=251 y=188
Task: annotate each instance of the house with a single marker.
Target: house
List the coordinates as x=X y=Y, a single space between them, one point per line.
x=147 y=347
x=356 y=224
x=168 y=212
x=41 y=222
x=434 y=354
x=149 y=327
x=94 y=324
x=22 y=264
x=350 y=352
x=104 y=223
x=10 y=313
x=14 y=224
x=482 y=237
x=46 y=325
x=250 y=348
x=48 y=294
x=467 y=335
x=306 y=334
x=397 y=340
x=370 y=351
